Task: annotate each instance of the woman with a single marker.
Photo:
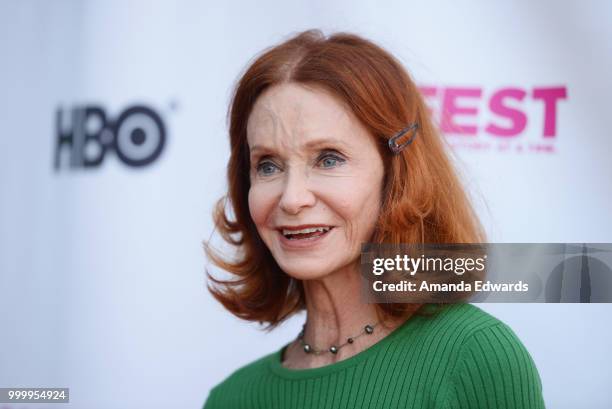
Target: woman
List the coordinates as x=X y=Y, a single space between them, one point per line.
x=312 y=176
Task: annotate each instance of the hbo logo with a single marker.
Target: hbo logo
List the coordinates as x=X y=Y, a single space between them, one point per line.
x=85 y=134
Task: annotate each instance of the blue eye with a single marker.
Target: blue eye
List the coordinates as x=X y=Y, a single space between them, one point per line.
x=326 y=161
x=266 y=168
x=330 y=160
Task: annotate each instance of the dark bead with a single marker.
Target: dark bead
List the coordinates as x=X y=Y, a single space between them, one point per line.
x=369 y=329
x=307 y=348
x=350 y=340
x=333 y=349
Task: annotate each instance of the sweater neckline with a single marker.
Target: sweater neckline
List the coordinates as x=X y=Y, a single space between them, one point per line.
x=277 y=367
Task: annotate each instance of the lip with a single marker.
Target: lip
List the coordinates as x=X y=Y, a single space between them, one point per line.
x=301 y=226
x=302 y=243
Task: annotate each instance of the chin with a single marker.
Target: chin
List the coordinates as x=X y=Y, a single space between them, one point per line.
x=308 y=271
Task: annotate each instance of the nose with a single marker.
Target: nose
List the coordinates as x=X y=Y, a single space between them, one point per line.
x=296 y=193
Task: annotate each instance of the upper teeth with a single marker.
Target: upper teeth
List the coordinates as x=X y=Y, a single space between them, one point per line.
x=307 y=230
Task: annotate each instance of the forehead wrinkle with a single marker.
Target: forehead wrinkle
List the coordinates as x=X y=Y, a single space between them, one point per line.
x=287 y=125
x=289 y=122
x=336 y=120
x=260 y=121
x=291 y=134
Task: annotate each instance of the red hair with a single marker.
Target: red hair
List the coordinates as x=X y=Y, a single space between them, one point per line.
x=423 y=201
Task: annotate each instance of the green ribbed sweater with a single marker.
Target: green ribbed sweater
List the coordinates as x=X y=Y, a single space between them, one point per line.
x=461 y=357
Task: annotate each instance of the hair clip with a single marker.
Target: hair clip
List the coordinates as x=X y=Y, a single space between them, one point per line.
x=394 y=146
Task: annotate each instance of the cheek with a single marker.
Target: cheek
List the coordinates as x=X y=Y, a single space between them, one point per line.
x=353 y=198
x=261 y=201
x=356 y=205
x=359 y=205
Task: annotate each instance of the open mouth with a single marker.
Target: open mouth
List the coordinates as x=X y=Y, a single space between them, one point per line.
x=306 y=234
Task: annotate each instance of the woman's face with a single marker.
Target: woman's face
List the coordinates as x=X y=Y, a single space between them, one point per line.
x=313 y=167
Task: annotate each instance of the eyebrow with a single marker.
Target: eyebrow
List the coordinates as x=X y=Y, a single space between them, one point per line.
x=310 y=145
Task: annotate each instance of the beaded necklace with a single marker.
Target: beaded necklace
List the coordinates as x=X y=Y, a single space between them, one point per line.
x=309 y=349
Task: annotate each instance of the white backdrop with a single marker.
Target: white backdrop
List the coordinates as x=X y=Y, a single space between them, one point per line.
x=101 y=268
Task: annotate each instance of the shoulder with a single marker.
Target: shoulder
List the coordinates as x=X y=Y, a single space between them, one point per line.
x=443 y=332
x=455 y=323
x=238 y=379
x=477 y=339
x=490 y=366
x=246 y=373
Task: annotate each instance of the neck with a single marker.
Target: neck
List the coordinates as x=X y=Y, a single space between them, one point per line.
x=334 y=308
